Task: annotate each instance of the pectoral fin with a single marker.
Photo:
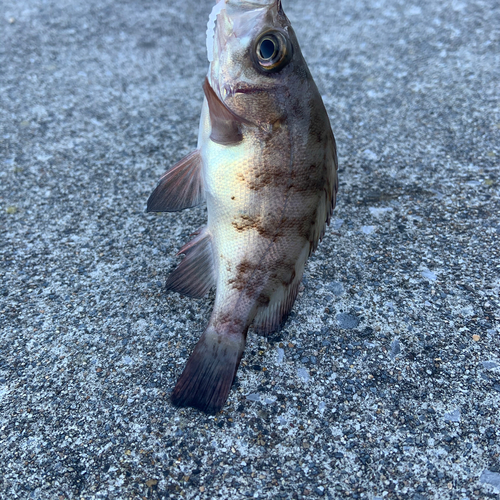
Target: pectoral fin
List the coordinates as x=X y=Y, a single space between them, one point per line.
x=180 y=187
x=195 y=275
x=226 y=126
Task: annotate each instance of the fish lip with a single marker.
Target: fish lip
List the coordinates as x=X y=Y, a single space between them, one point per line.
x=249 y=90
x=245 y=88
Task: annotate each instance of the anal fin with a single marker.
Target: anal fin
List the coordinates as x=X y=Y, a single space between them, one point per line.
x=270 y=318
x=195 y=275
x=180 y=187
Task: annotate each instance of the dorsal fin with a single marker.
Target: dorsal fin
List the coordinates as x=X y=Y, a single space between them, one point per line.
x=180 y=187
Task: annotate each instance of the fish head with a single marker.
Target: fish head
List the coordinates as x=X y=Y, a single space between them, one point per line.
x=253 y=52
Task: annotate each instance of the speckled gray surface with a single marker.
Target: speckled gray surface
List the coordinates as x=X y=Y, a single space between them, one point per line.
x=385 y=381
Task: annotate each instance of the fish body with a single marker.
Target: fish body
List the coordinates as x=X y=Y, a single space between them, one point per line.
x=266 y=165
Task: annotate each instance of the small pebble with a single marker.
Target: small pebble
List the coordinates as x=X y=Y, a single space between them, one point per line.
x=303 y=374
x=452 y=416
x=368 y=229
x=347 y=321
x=429 y=275
x=492 y=478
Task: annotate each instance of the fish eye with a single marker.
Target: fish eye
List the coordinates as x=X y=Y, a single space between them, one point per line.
x=268 y=48
x=272 y=51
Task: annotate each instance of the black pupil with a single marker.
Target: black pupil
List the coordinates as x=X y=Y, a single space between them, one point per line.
x=267 y=49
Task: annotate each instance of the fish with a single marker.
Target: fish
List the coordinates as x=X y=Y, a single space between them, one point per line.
x=266 y=167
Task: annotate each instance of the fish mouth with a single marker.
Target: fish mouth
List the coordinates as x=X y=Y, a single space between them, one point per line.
x=246 y=88
x=225 y=91
x=249 y=90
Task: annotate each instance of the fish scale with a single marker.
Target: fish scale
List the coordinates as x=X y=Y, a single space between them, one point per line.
x=266 y=165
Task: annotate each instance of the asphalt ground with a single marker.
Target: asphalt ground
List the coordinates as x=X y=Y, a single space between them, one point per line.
x=385 y=380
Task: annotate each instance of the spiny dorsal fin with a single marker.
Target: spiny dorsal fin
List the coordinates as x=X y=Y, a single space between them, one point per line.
x=180 y=187
x=195 y=275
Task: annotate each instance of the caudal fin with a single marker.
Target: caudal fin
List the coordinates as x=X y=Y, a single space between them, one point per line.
x=209 y=372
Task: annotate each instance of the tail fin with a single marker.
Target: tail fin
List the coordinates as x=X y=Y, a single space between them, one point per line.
x=209 y=373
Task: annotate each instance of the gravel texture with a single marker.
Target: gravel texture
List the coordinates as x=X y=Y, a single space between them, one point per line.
x=384 y=382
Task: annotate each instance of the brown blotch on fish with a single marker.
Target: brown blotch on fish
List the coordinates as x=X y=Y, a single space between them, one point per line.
x=263 y=300
x=244 y=271
x=273 y=177
x=245 y=267
x=270 y=228
x=236 y=284
x=246 y=223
